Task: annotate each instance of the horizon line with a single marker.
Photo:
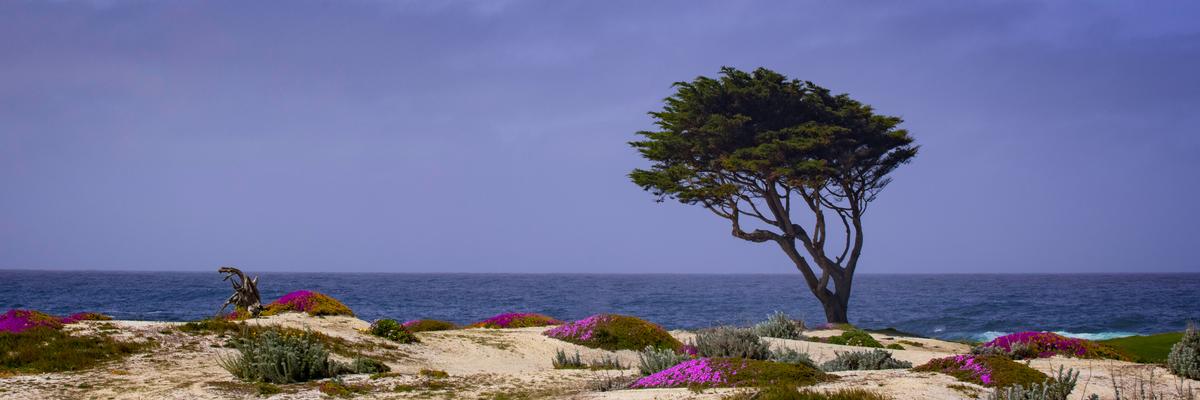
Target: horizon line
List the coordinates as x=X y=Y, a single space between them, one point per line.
x=598 y=273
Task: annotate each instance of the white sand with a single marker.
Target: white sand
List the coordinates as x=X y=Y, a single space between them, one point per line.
x=484 y=363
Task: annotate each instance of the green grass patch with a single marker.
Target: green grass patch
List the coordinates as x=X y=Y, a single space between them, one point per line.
x=49 y=350
x=855 y=337
x=430 y=325
x=1149 y=349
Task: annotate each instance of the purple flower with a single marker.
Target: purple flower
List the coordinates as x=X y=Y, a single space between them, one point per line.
x=699 y=371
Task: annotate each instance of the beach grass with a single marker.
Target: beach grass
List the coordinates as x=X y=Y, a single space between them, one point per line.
x=48 y=350
x=1148 y=349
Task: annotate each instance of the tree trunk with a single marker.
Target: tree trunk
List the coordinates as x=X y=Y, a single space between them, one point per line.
x=835 y=309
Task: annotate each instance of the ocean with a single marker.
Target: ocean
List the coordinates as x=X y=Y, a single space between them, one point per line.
x=966 y=306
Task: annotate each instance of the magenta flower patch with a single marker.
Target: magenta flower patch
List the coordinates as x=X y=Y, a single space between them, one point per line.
x=699 y=371
x=17 y=321
x=581 y=330
x=516 y=320
x=1045 y=344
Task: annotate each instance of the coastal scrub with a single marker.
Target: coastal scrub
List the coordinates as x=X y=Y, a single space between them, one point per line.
x=17 y=321
x=306 y=301
x=615 y=332
x=1023 y=345
x=394 y=331
x=47 y=349
x=732 y=372
x=516 y=320
x=992 y=371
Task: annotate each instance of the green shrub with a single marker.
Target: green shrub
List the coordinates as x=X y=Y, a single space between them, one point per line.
x=784 y=392
x=563 y=361
x=789 y=356
x=855 y=337
x=392 y=330
x=894 y=346
x=731 y=342
x=279 y=358
x=778 y=325
x=652 y=359
x=1184 y=359
x=1050 y=389
x=49 y=350
x=864 y=360
x=433 y=373
x=1148 y=349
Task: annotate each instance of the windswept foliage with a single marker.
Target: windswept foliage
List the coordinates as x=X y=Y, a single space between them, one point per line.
x=751 y=146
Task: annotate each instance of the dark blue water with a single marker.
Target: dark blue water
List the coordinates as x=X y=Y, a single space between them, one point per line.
x=946 y=306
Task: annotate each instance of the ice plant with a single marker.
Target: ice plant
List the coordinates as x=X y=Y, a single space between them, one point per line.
x=1046 y=344
x=516 y=320
x=426 y=325
x=313 y=303
x=85 y=316
x=698 y=371
x=615 y=332
x=964 y=367
x=17 y=321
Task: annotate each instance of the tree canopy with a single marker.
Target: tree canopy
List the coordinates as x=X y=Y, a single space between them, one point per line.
x=744 y=145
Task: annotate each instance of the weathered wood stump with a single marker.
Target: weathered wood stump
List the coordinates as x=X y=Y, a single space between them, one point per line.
x=245 y=292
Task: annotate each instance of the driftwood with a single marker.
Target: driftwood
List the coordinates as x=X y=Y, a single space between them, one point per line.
x=245 y=292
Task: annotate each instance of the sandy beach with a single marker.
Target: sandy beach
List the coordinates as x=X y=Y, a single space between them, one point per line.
x=496 y=364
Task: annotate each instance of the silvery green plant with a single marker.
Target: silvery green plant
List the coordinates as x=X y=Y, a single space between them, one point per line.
x=789 y=356
x=275 y=358
x=651 y=359
x=731 y=342
x=607 y=361
x=1051 y=389
x=1184 y=359
x=563 y=361
x=864 y=360
x=779 y=325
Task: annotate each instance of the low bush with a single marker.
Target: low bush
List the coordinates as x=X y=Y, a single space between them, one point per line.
x=1146 y=349
x=391 y=330
x=433 y=373
x=213 y=325
x=279 y=358
x=1051 y=389
x=730 y=372
x=516 y=320
x=1026 y=345
x=779 y=325
x=44 y=349
x=991 y=371
x=1184 y=359
x=607 y=361
x=429 y=325
x=337 y=388
x=306 y=301
x=614 y=332
x=784 y=392
x=855 y=337
x=564 y=361
x=789 y=356
x=652 y=359
x=85 y=316
x=731 y=342
x=864 y=360
x=894 y=346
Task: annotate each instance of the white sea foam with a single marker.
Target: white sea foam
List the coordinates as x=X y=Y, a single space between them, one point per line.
x=989 y=335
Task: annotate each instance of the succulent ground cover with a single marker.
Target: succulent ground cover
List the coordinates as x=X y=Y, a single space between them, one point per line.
x=516 y=320
x=429 y=325
x=615 y=332
x=992 y=371
x=1148 y=349
x=17 y=321
x=1022 y=345
x=32 y=341
x=307 y=301
x=732 y=372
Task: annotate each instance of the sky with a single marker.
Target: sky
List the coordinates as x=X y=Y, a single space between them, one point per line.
x=491 y=136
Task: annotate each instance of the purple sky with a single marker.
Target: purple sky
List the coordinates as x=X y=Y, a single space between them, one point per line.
x=490 y=136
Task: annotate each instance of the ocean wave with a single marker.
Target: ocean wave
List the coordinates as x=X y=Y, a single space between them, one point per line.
x=989 y=335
